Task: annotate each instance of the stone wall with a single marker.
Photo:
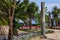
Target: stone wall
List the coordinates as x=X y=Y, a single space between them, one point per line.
x=27 y=36
x=4 y=30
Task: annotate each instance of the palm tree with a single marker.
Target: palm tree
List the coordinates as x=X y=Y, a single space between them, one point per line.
x=8 y=8
x=26 y=11
x=55 y=13
x=3 y=20
x=31 y=10
x=37 y=17
x=20 y=13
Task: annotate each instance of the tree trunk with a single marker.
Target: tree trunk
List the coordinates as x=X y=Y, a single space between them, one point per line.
x=15 y=32
x=42 y=19
x=54 y=22
x=11 y=11
x=14 y=28
x=10 y=26
x=57 y=22
x=49 y=19
x=30 y=24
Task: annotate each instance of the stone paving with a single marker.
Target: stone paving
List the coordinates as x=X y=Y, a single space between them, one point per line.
x=52 y=36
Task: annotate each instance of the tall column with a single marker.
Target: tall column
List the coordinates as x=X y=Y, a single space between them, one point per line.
x=43 y=19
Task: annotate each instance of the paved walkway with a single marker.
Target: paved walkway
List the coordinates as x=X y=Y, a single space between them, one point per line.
x=54 y=36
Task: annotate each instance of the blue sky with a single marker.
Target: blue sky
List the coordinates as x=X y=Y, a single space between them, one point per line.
x=49 y=3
